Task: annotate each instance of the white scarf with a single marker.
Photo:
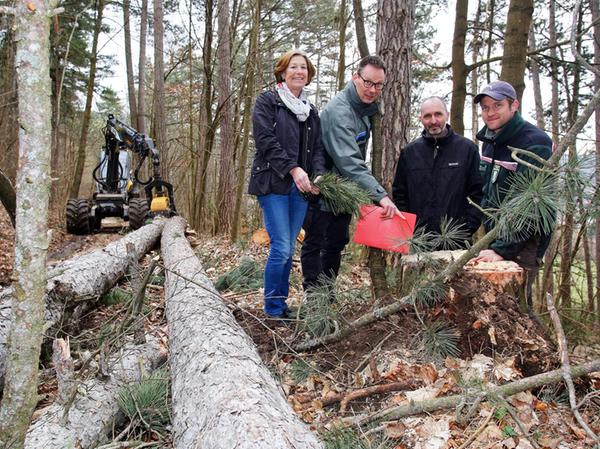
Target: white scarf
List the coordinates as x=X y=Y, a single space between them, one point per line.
x=299 y=106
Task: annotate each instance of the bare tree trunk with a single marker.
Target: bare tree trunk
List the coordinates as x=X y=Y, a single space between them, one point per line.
x=342 y=46
x=89 y=419
x=595 y=6
x=514 y=57
x=566 y=258
x=251 y=67
x=141 y=103
x=395 y=27
x=87 y=112
x=31 y=233
x=226 y=161
x=490 y=38
x=159 y=121
x=359 y=23
x=477 y=46
x=129 y=64
x=555 y=114
x=207 y=131
x=534 y=69
x=214 y=363
x=459 y=68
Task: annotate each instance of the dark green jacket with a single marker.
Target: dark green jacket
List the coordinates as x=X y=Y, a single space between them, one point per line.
x=497 y=178
x=346 y=130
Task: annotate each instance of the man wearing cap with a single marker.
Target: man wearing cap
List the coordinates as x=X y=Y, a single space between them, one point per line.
x=505 y=127
x=437 y=173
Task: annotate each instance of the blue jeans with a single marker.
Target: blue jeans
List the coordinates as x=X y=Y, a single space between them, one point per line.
x=283 y=215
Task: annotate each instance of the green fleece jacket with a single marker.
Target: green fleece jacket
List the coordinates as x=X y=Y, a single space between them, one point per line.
x=346 y=130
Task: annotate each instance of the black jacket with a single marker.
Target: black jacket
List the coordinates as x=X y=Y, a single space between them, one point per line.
x=277 y=140
x=519 y=134
x=434 y=177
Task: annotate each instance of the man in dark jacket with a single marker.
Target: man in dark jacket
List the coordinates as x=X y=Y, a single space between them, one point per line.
x=437 y=174
x=505 y=127
x=346 y=127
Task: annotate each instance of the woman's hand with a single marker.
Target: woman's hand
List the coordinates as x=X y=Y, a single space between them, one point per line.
x=302 y=181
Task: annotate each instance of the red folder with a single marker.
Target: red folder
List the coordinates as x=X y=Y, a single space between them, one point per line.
x=389 y=234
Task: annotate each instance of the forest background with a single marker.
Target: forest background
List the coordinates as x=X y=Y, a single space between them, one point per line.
x=198 y=65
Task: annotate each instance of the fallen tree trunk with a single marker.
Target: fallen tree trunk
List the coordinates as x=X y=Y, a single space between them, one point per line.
x=91 y=415
x=447 y=402
x=223 y=395
x=81 y=278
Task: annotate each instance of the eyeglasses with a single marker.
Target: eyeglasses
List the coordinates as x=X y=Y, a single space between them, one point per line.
x=495 y=107
x=368 y=84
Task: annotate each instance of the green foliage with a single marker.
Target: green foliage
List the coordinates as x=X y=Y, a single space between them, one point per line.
x=428 y=292
x=342 y=196
x=508 y=431
x=440 y=340
x=530 y=205
x=299 y=370
x=500 y=413
x=246 y=277
x=318 y=313
x=116 y=296
x=348 y=438
x=147 y=402
x=452 y=235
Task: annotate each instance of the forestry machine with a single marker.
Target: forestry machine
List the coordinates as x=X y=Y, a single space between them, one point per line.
x=117 y=191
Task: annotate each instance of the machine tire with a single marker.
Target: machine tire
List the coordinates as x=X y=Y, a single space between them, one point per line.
x=138 y=210
x=78 y=216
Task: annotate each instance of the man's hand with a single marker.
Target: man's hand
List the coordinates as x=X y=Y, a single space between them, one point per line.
x=389 y=208
x=487 y=255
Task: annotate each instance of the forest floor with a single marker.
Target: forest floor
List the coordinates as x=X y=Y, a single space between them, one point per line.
x=386 y=364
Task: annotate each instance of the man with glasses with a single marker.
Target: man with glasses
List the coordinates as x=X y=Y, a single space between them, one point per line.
x=504 y=127
x=346 y=128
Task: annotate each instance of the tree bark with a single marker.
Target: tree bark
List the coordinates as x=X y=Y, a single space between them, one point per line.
x=595 y=7
x=129 y=64
x=223 y=396
x=459 y=68
x=8 y=197
x=395 y=28
x=80 y=279
x=88 y=420
x=506 y=390
x=87 y=112
x=141 y=103
x=159 y=121
x=342 y=46
x=359 y=23
x=514 y=57
x=251 y=66
x=534 y=68
x=226 y=161
x=31 y=233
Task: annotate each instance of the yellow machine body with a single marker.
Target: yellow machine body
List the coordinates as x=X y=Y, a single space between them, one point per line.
x=160 y=204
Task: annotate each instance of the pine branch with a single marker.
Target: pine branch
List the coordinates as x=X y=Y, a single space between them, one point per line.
x=341 y=195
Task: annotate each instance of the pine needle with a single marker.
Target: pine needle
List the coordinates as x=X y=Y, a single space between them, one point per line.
x=440 y=340
x=246 y=277
x=453 y=235
x=319 y=314
x=342 y=196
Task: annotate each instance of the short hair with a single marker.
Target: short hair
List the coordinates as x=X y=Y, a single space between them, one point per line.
x=284 y=61
x=435 y=97
x=373 y=60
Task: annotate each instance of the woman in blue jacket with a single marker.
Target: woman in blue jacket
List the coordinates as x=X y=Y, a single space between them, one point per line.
x=287 y=136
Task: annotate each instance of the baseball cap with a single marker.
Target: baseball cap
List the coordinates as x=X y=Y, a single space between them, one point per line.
x=498 y=90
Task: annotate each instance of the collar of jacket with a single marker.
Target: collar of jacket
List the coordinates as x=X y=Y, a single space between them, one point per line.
x=441 y=140
x=278 y=101
x=363 y=109
x=506 y=133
